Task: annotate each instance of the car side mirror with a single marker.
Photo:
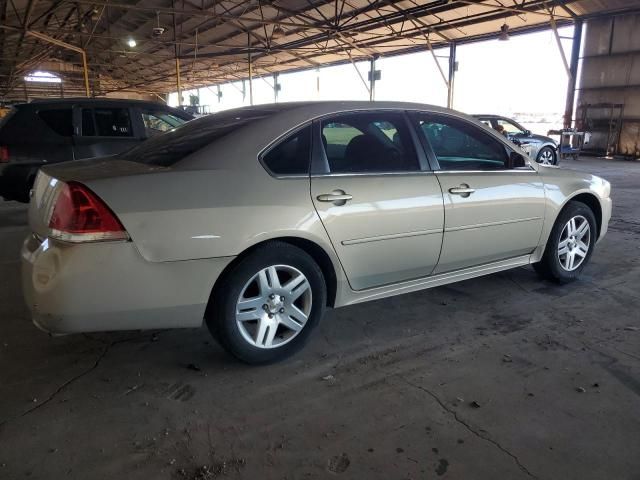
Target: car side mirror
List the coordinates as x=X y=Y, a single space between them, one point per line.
x=516 y=160
x=527 y=133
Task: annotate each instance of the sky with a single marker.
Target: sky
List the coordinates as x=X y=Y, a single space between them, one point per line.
x=522 y=75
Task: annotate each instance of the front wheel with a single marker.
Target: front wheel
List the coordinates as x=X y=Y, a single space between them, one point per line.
x=268 y=304
x=570 y=244
x=547 y=156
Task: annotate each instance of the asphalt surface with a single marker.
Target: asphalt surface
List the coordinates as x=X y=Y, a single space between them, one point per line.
x=501 y=377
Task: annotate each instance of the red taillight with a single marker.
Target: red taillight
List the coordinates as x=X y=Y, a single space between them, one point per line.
x=4 y=154
x=80 y=216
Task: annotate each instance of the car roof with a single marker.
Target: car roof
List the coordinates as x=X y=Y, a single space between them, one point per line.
x=337 y=105
x=278 y=118
x=314 y=109
x=85 y=101
x=91 y=100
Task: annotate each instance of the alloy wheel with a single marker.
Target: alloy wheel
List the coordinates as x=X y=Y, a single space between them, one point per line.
x=273 y=306
x=574 y=243
x=546 y=157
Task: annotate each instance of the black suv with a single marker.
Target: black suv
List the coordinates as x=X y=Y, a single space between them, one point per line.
x=51 y=131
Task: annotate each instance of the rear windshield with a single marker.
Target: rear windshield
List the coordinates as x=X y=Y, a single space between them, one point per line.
x=168 y=148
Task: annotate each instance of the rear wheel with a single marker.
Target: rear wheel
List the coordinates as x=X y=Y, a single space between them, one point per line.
x=570 y=244
x=268 y=304
x=547 y=156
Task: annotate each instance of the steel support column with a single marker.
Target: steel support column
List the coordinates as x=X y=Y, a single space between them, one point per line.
x=178 y=81
x=276 y=88
x=573 y=73
x=176 y=50
x=372 y=79
x=250 y=69
x=453 y=66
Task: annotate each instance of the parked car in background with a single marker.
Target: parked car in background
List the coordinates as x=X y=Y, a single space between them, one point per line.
x=52 y=131
x=256 y=219
x=543 y=149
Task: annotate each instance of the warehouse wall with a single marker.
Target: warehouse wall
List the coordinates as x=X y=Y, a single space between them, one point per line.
x=611 y=75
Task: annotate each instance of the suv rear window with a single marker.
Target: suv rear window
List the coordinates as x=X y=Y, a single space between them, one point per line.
x=106 y=122
x=60 y=120
x=168 y=148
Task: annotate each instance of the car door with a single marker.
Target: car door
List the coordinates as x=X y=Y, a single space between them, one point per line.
x=379 y=204
x=103 y=130
x=494 y=210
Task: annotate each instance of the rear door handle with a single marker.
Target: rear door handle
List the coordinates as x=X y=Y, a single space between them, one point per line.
x=463 y=190
x=339 y=197
x=330 y=197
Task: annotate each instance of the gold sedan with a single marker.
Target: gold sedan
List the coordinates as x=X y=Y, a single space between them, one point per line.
x=256 y=219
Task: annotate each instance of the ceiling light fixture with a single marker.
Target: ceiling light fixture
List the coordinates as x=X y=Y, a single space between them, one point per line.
x=158 y=30
x=42 y=77
x=504 y=33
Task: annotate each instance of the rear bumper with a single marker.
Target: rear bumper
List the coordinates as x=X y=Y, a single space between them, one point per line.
x=109 y=286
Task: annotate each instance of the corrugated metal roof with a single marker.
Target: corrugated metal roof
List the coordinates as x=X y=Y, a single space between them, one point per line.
x=212 y=39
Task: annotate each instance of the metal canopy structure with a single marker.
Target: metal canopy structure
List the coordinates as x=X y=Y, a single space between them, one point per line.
x=192 y=43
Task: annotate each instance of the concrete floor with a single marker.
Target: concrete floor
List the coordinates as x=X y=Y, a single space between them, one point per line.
x=554 y=373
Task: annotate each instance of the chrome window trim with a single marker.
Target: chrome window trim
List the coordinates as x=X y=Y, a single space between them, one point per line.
x=374 y=174
x=293 y=176
x=511 y=170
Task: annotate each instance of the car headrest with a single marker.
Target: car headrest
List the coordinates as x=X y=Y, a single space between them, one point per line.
x=364 y=152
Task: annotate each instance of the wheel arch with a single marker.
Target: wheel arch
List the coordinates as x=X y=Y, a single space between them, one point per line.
x=590 y=200
x=585 y=197
x=314 y=250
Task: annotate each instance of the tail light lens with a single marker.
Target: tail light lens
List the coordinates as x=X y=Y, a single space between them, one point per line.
x=79 y=215
x=4 y=154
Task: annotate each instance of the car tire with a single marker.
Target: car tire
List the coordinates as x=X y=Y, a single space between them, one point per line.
x=547 y=156
x=258 y=308
x=569 y=248
x=25 y=195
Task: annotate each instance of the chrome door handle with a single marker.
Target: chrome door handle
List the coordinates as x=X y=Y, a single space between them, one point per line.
x=335 y=196
x=463 y=190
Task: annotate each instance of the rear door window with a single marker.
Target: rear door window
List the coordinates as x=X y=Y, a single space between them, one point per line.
x=292 y=155
x=59 y=120
x=106 y=122
x=369 y=142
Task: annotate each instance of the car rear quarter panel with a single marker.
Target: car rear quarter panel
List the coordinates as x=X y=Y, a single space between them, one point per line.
x=186 y=215
x=218 y=204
